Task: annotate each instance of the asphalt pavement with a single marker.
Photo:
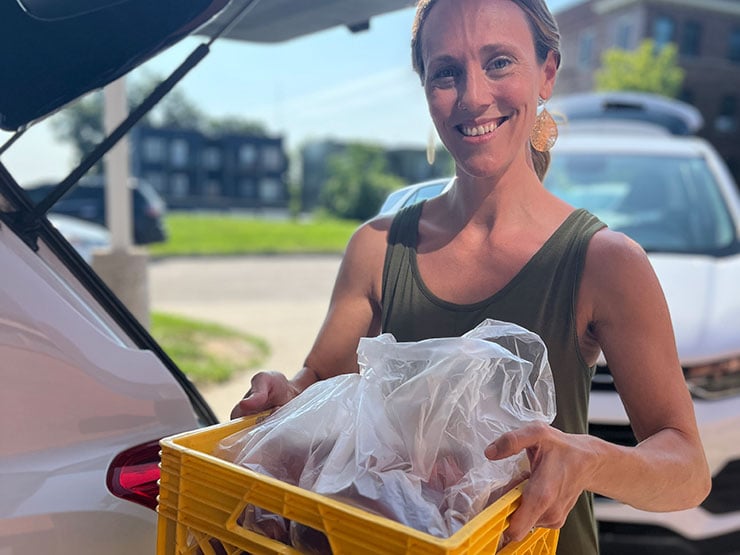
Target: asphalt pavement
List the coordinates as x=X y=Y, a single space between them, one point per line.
x=282 y=299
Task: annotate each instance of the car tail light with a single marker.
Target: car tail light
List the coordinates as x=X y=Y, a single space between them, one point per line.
x=134 y=474
x=717 y=380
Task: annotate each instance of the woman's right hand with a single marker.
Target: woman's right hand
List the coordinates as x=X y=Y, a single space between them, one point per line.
x=269 y=390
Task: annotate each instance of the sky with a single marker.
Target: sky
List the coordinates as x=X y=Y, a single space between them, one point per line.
x=329 y=85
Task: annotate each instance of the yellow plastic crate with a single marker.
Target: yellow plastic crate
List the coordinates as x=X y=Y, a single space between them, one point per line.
x=201 y=497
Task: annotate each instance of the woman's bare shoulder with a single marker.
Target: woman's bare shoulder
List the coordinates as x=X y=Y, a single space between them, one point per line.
x=618 y=272
x=610 y=250
x=371 y=235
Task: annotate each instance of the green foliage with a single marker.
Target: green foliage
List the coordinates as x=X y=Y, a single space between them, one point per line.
x=210 y=234
x=359 y=182
x=646 y=69
x=81 y=124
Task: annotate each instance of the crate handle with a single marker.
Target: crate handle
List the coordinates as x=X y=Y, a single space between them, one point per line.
x=261 y=544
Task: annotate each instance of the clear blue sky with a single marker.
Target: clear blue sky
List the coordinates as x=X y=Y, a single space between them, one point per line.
x=329 y=85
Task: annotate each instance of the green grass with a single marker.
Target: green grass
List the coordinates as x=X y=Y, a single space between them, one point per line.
x=207 y=353
x=198 y=234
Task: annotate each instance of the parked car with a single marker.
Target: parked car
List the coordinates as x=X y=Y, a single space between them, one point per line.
x=675 y=197
x=411 y=194
x=86 y=391
x=86 y=201
x=672 y=193
x=84 y=236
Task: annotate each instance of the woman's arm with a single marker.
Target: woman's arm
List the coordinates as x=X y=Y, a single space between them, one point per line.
x=667 y=470
x=354 y=312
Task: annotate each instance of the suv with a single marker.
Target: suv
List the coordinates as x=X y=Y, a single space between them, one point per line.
x=674 y=196
x=86 y=201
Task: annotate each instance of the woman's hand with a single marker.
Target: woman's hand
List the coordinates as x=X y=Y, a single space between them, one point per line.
x=560 y=465
x=269 y=390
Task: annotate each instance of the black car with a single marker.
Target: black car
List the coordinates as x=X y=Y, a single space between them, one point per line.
x=86 y=201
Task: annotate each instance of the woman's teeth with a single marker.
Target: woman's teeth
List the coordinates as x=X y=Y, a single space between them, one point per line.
x=478 y=130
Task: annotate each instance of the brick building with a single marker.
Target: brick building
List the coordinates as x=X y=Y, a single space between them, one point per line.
x=706 y=32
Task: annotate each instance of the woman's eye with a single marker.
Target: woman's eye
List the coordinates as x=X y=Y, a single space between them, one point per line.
x=498 y=64
x=443 y=76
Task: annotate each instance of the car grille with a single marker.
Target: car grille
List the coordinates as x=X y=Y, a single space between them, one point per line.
x=618 y=538
x=621 y=434
x=725 y=494
x=602 y=380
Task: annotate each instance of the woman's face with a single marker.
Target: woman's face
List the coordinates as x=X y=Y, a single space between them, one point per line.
x=482 y=82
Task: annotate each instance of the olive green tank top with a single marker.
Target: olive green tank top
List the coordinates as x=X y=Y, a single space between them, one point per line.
x=541 y=298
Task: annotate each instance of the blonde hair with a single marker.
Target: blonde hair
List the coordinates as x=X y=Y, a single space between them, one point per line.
x=546 y=39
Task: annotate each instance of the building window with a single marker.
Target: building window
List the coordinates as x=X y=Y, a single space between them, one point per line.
x=179 y=153
x=664 y=30
x=154 y=149
x=179 y=185
x=271 y=190
x=272 y=158
x=212 y=158
x=691 y=39
x=247 y=188
x=247 y=155
x=726 y=121
x=734 y=46
x=624 y=35
x=586 y=49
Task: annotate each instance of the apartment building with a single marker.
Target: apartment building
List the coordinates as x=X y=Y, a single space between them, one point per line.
x=706 y=33
x=192 y=170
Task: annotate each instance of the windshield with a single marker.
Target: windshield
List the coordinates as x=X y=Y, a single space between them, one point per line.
x=665 y=203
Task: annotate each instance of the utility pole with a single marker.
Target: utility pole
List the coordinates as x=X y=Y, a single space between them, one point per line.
x=123 y=267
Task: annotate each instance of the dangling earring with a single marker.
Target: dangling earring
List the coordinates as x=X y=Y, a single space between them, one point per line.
x=431 y=147
x=545 y=130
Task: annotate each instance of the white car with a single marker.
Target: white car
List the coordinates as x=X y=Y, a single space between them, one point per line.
x=673 y=195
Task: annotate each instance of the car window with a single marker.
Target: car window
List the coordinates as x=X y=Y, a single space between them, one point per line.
x=426 y=193
x=665 y=203
x=392 y=199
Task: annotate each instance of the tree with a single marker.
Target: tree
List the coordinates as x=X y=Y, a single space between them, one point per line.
x=646 y=69
x=359 y=182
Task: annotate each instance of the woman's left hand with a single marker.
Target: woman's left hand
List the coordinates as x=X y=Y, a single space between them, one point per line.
x=560 y=466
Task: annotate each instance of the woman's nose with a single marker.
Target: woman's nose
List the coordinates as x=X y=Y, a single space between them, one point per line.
x=473 y=92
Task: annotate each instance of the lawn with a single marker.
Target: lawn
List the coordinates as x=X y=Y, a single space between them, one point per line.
x=209 y=234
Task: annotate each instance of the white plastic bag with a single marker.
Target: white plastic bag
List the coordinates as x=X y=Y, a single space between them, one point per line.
x=405 y=438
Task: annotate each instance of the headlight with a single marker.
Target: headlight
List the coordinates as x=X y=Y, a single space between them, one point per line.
x=716 y=380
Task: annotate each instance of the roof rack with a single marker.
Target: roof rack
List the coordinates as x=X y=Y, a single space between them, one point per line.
x=678 y=118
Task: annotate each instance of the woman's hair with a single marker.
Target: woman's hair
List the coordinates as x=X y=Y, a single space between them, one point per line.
x=546 y=39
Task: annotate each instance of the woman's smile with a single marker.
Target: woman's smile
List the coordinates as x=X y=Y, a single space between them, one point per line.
x=473 y=129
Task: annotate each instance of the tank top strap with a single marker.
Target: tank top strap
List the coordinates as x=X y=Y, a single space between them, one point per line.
x=402 y=238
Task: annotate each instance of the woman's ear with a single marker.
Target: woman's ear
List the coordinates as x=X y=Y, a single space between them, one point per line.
x=549 y=73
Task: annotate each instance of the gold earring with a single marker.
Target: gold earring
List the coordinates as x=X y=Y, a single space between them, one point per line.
x=544 y=132
x=431 y=147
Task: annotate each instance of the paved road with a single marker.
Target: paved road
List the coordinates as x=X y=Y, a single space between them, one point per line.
x=282 y=299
